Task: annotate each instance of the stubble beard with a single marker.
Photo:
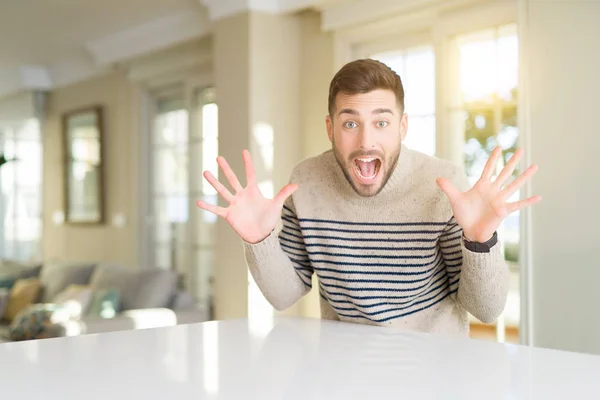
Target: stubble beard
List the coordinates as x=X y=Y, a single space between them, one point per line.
x=390 y=165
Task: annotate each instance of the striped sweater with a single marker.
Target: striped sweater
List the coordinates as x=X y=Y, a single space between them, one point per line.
x=397 y=258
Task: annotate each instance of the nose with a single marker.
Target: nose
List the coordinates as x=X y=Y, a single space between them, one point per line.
x=367 y=138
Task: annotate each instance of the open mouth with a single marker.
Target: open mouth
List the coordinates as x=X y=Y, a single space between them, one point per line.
x=367 y=168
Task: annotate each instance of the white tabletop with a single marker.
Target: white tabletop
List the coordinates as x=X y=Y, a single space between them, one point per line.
x=297 y=359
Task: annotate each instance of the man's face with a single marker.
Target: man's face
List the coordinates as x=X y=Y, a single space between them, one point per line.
x=366 y=132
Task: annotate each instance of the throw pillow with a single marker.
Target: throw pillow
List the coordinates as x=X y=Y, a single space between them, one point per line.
x=105 y=303
x=23 y=293
x=76 y=298
x=38 y=321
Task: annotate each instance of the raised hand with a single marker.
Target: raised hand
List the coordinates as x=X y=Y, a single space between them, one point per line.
x=480 y=210
x=250 y=214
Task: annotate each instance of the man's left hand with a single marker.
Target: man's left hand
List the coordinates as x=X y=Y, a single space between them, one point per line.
x=481 y=210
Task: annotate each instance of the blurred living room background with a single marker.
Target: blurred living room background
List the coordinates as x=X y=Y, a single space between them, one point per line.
x=110 y=111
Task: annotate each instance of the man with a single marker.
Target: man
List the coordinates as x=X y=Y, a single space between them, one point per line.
x=393 y=235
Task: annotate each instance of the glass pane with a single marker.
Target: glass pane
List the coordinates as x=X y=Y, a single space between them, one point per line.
x=509 y=133
x=29 y=164
x=171 y=127
x=206 y=221
x=508 y=63
x=28 y=232
x=419 y=82
x=84 y=192
x=173 y=208
x=31 y=202
x=7 y=178
x=163 y=231
x=421 y=134
x=11 y=249
x=478 y=70
x=210 y=121
x=480 y=140
x=393 y=59
x=9 y=148
x=210 y=151
x=203 y=262
x=20 y=190
x=170 y=169
x=162 y=256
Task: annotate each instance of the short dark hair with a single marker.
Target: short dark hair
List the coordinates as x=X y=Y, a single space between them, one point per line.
x=363 y=76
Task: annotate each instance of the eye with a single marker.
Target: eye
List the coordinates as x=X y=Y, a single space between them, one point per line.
x=350 y=124
x=382 y=124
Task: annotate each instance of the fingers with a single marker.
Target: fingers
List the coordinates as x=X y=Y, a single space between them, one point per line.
x=517 y=205
x=519 y=182
x=448 y=188
x=220 y=211
x=284 y=193
x=229 y=174
x=222 y=190
x=250 y=171
x=509 y=168
x=490 y=166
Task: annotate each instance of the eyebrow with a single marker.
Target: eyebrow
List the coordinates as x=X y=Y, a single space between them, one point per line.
x=376 y=111
x=383 y=111
x=348 y=111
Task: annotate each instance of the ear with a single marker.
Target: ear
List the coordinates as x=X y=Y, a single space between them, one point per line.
x=329 y=126
x=403 y=126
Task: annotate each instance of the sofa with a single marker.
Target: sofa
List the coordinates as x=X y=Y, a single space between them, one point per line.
x=65 y=299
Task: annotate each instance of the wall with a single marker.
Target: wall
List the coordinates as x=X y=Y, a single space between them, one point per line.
x=19 y=106
x=317 y=70
x=106 y=243
x=562 y=63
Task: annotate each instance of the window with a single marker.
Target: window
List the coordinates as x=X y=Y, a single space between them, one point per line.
x=204 y=149
x=21 y=190
x=416 y=68
x=488 y=90
x=170 y=190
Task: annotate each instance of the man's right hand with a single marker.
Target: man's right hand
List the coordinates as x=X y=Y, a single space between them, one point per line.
x=252 y=216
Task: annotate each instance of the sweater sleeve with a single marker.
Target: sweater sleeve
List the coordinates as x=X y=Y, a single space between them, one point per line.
x=279 y=264
x=479 y=279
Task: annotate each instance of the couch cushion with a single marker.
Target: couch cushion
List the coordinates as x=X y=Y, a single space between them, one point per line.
x=10 y=271
x=138 y=288
x=76 y=298
x=18 y=267
x=55 y=278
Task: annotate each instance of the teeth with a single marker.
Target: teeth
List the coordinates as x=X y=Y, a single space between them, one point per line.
x=366 y=159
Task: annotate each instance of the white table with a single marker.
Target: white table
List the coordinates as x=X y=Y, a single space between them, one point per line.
x=297 y=359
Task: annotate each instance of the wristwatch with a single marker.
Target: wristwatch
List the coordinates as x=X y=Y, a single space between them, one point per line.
x=481 y=247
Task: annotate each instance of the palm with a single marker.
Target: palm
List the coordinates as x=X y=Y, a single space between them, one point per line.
x=250 y=214
x=481 y=210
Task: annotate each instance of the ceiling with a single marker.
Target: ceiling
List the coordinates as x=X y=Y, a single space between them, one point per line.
x=42 y=32
x=50 y=43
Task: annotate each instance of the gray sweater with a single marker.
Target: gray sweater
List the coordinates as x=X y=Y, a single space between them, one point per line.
x=395 y=259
